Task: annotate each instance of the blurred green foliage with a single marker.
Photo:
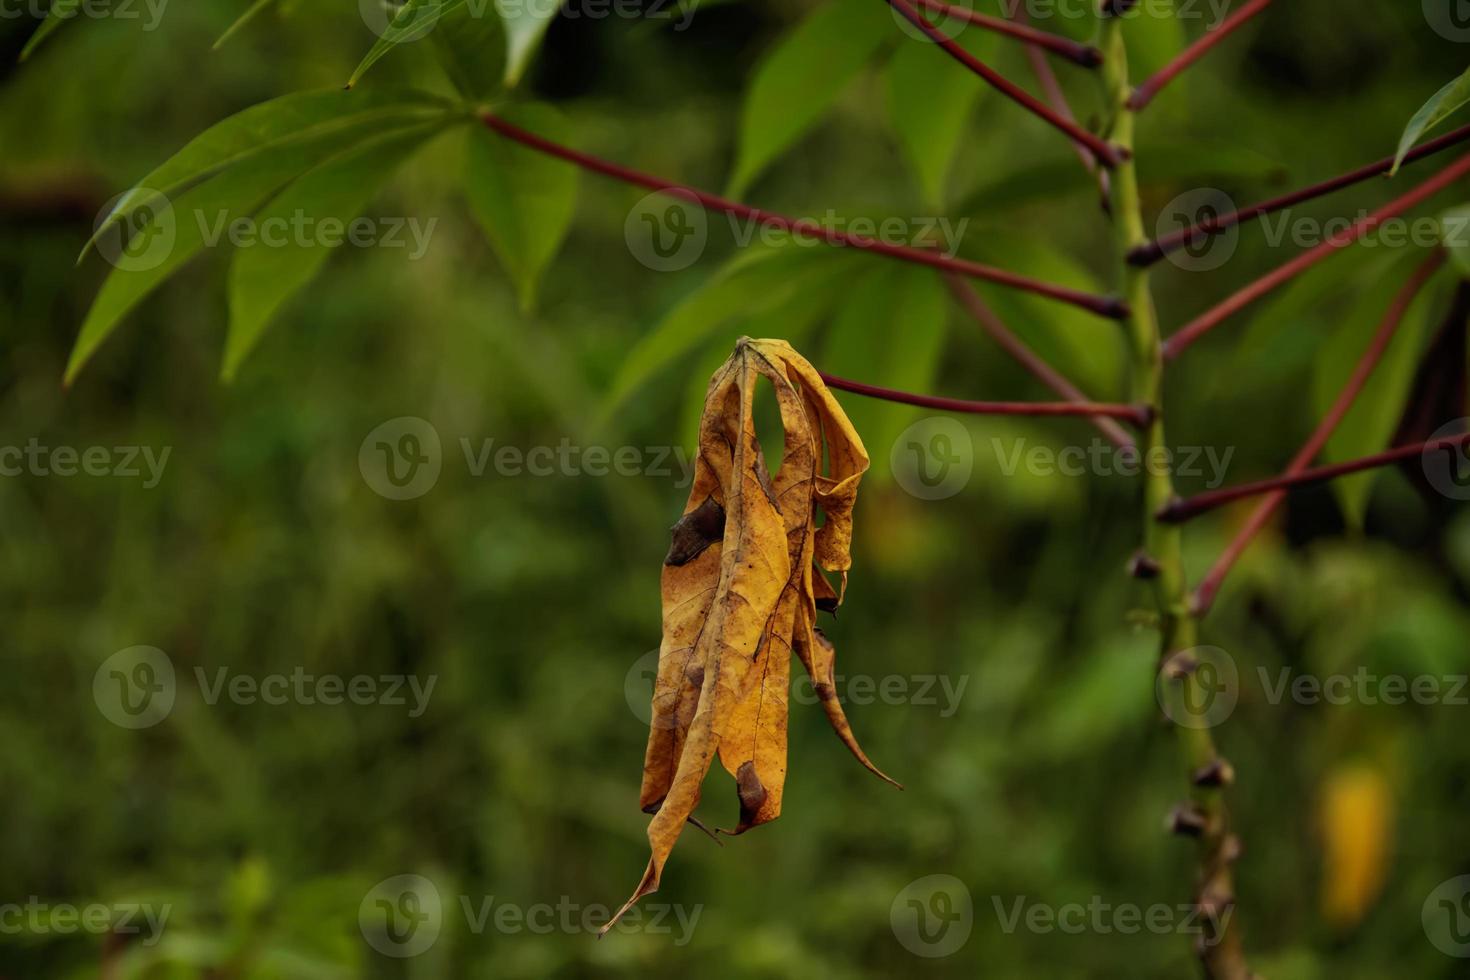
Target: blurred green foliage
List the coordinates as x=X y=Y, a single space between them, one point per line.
x=263 y=550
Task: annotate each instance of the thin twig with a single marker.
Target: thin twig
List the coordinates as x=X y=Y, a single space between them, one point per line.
x=1182 y=510
x=1136 y=414
x=1104 y=150
x=970 y=300
x=1153 y=251
x=1213 y=317
x=1209 y=586
x=1105 y=306
x=1145 y=92
x=1083 y=54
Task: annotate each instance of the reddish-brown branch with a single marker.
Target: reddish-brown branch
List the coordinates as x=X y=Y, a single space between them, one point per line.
x=1183 y=510
x=1145 y=92
x=1083 y=54
x=1209 y=586
x=1151 y=252
x=1105 y=151
x=1136 y=414
x=1212 y=318
x=993 y=325
x=1106 y=306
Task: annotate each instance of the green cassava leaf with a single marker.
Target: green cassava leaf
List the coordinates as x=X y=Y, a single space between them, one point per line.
x=332 y=119
x=253 y=11
x=525 y=26
x=755 y=281
x=890 y=332
x=929 y=103
x=801 y=78
x=1439 y=107
x=472 y=51
x=169 y=229
x=413 y=21
x=266 y=275
x=1369 y=425
x=523 y=200
x=61 y=11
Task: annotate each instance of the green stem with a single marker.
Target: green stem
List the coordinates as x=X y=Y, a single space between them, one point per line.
x=1205 y=816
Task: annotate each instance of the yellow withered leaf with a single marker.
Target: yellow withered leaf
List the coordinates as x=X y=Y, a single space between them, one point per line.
x=742 y=584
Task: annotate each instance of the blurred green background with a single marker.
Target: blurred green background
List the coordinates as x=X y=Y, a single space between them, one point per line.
x=533 y=600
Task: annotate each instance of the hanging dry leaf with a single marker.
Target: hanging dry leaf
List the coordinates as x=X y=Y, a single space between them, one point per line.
x=742 y=583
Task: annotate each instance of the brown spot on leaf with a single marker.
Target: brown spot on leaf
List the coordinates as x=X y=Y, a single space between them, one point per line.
x=752 y=793
x=696 y=531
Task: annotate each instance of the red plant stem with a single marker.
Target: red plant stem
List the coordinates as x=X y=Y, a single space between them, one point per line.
x=1104 y=150
x=1136 y=414
x=993 y=325
x=1183 y=510
x=1055 y=97
x=1083 y=54
x=1151 y=252
x=1209 y=586
x=1212 y=318
x=1106 y=306
x=1144 y=93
